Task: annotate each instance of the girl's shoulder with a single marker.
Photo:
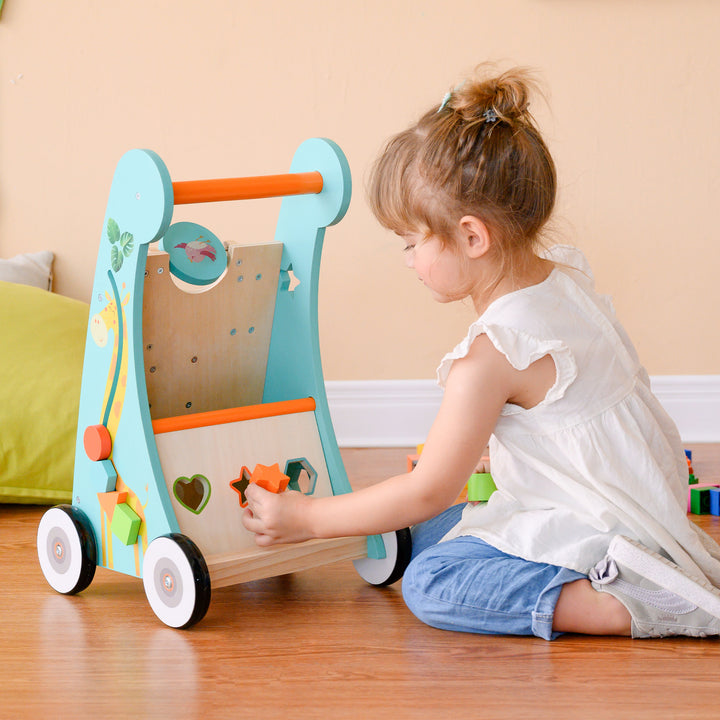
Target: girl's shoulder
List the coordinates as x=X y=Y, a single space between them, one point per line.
x=530 y=323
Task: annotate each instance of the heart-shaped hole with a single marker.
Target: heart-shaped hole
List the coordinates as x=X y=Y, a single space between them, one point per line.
x=192 y=493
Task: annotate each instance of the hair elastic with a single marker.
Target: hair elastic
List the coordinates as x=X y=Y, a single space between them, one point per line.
x=490 y=115
x=448 y=95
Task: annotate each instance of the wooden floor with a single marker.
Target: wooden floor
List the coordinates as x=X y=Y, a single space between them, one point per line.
x=318 y=644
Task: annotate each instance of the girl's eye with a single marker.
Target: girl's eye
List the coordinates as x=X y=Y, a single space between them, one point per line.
x=407 y=248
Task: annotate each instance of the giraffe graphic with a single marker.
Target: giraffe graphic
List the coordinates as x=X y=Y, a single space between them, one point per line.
x=113 y=318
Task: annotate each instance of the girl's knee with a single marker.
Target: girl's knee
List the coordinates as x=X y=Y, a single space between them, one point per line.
x=413 y=590
x=417 y=585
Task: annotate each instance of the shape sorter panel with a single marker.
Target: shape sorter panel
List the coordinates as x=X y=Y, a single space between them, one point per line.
x=200 y=465
x=207 y=350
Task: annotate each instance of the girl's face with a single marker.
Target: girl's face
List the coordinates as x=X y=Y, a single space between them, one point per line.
x=438 y=267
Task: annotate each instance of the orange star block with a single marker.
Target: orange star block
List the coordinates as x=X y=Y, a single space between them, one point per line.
x=270 y=478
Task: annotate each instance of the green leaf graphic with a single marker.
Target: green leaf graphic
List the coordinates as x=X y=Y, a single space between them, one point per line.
x=113 y=231
x=116 y=258
x=127 y=243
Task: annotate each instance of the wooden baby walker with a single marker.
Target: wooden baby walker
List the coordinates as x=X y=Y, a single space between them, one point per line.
x=202 y=374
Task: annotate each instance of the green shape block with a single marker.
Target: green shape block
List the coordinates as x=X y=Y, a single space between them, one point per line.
x=125 y=524
x=700 y=501
x=480 y=487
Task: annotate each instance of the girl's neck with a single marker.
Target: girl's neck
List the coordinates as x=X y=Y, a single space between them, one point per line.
x=532 y=271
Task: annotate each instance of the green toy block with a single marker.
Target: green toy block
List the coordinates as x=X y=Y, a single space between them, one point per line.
x=480 y=487
x=125 y=524
x=700 y=501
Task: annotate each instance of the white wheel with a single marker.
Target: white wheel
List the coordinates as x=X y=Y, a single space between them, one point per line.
x=398 y=549
x=176 y=580
x=66 y=549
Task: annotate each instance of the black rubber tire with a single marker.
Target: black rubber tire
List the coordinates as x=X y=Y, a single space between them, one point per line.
x=389 y=570
x=54 y=549
x=199 y=577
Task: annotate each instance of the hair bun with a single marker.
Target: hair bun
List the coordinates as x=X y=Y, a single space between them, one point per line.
x=507 y=94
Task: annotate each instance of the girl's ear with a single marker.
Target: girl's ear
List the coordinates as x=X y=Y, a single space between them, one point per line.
x=474 y=236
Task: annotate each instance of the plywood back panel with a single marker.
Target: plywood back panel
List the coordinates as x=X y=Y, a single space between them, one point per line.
x=207 y=350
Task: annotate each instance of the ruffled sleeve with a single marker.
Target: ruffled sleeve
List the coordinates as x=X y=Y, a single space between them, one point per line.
x=518 y=324
x=521 y=349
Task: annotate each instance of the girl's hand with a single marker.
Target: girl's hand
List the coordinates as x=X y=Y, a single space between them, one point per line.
x=484 y=465
x=276 y=518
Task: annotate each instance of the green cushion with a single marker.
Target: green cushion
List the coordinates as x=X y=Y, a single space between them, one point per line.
x=42 y=343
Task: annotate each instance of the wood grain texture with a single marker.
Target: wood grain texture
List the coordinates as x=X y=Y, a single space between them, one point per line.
x=318 y=644
x=219 y=453
x=208 y=350
x=282 y=559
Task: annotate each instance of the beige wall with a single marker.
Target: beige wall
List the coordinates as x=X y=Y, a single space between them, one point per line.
x=223 y=88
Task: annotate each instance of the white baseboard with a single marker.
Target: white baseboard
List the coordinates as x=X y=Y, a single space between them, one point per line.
x=398 y=413
x=693 y=402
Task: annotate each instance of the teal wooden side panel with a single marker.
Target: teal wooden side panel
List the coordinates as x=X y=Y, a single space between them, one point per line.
x=294 y=364
x=113 y=391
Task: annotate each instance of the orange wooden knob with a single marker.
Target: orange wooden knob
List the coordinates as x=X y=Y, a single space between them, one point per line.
x=97 y=442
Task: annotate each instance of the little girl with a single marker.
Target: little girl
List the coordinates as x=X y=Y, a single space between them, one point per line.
x=588 y=530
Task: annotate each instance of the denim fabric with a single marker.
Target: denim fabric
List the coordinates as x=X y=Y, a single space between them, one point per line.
x=467 y=585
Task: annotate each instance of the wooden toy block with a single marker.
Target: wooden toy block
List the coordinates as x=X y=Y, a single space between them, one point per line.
x=714 y=501
x=696 y=489
x=125 y=524
x=480 y=487
x=97 y=442
x=103 y=475
x=270 y=478
x=476 y=489
x=700 y=501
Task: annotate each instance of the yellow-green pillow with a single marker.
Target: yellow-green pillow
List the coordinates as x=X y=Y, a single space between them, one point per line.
x=42 y=343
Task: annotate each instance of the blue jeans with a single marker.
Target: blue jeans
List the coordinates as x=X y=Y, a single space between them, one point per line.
x=467 y=585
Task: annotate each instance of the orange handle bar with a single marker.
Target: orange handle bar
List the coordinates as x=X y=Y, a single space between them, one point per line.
x=247 y=188
x=220 y=417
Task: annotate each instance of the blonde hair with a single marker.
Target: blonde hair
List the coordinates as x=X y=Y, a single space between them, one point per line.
x=478 y=153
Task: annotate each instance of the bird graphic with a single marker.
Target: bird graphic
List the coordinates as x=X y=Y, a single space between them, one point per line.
x=198 y=249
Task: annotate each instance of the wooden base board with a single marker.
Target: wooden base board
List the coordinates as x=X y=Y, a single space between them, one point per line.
x=260 y=563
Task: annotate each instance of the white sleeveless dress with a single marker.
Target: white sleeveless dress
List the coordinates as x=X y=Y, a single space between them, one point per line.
x=599 y=456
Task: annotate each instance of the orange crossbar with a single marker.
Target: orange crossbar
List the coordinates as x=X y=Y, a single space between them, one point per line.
x=247 y=188
x=220 y=417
